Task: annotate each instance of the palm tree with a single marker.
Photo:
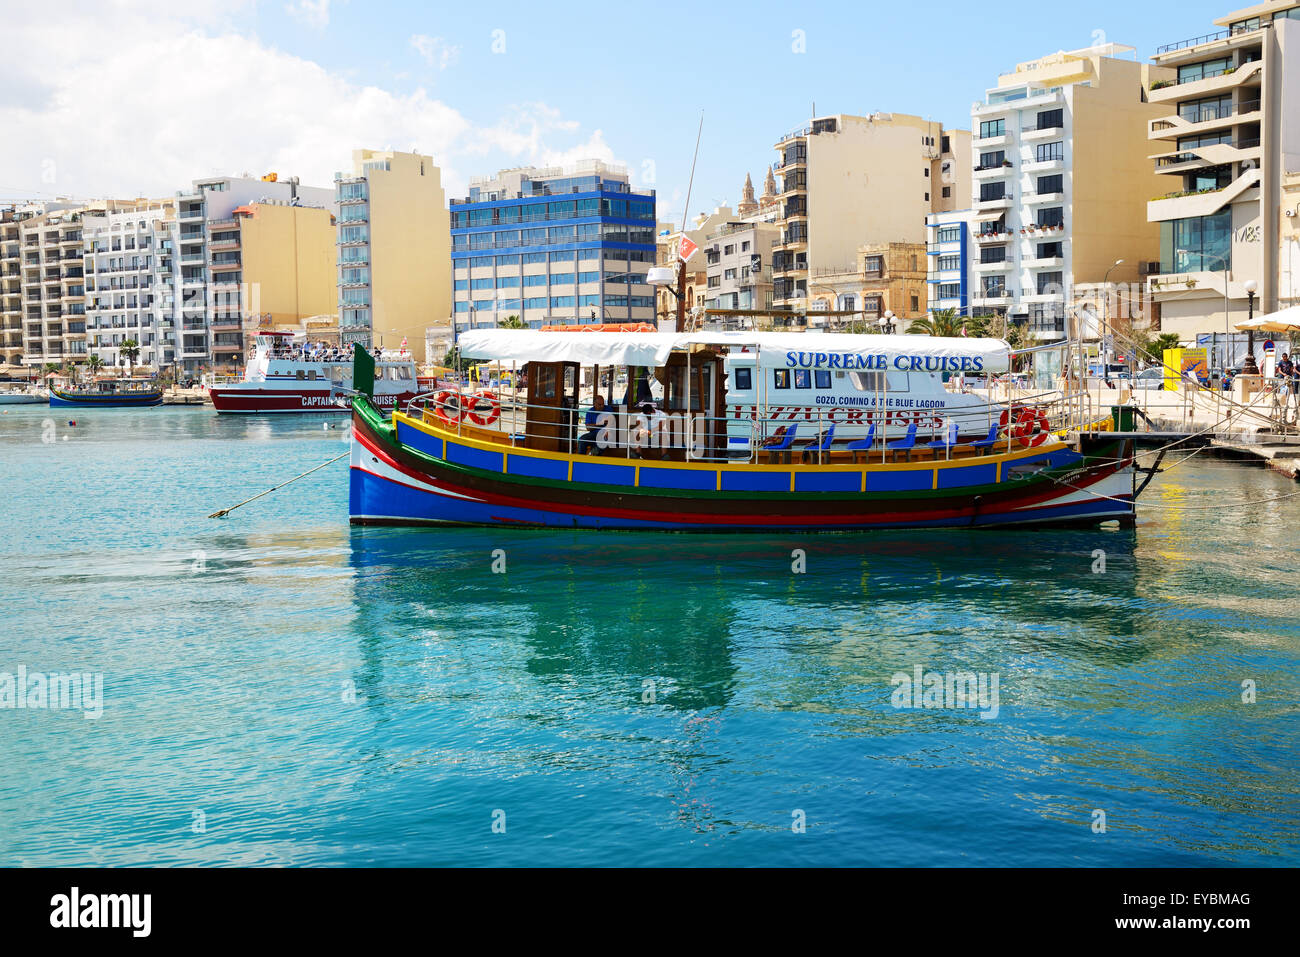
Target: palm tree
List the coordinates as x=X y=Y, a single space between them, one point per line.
x=945 y=323
x=512 y=322
x=131 y=349
x=51 y=367
x=94 y=363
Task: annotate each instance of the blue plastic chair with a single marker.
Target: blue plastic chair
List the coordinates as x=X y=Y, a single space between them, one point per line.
x=819 y=447
x=863 y=445
x=947 y=442
x=782 y=448
x=989 y=441
x=905 y=444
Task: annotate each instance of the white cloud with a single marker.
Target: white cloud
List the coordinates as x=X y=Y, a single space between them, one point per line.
x=313 y=13
x=173 y=97
x=435 y=50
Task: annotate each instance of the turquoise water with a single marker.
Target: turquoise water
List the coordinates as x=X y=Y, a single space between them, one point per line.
x=279 y=688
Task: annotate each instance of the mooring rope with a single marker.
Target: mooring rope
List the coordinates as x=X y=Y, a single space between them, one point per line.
x=222 y=513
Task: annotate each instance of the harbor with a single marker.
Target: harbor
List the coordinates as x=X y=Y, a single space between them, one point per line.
x=618 y=709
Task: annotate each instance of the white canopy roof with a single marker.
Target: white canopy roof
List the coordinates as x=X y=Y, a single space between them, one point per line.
x=1284 y=320
x=653 y=348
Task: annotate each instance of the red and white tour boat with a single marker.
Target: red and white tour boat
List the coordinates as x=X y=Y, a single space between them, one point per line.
x=287 y=376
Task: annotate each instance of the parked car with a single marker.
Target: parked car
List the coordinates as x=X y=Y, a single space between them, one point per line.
x=1152 y=378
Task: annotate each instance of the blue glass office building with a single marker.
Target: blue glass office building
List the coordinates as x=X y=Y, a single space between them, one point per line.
x=553 y=247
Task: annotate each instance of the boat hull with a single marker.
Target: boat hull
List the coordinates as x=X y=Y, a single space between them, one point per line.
x=22 y=399
x=412 y=473
x=74 y=400
x=237 y=401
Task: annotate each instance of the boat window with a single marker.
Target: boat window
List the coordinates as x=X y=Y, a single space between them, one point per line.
x=895 y=380
x=781 y=378
x=823 y=377
x=802 y=379
x=403 y=373
x=545 y=381
x=300 y=375
x=744 y=378
x=311 y=373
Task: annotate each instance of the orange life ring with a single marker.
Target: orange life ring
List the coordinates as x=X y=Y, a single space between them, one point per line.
x=1032 y=428
x=494 y=408
x=448 y=399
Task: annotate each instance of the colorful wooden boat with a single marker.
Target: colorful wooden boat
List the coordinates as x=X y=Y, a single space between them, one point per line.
x=422 y=466
x=108 y=394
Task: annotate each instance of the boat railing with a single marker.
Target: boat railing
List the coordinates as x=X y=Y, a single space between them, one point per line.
x=745 y=435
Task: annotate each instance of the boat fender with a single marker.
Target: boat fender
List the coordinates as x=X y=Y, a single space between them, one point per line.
x=473 y=405
x=1032 y=428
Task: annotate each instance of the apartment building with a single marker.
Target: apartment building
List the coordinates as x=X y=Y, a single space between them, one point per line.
x=1061 y=178
x=124 y=286
x=11 y=288
x=948 y=244
x=1223 y=144
x=738 y=265
x=849 y=180
x=553 y=245
x=394 y=250
x=53 y=291
x=210 y=280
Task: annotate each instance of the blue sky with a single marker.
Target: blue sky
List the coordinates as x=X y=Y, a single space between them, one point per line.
x=300 y=82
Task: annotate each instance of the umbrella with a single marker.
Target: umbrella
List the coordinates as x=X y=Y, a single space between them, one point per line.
x=1284 y=320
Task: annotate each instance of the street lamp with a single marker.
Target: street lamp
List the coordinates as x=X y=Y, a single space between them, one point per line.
x=1105 y=317
x=1248 y=367
x=887 y=322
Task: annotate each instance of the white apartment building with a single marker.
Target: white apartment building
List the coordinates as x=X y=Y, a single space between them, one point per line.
x=1060 y=178
x=127 y=275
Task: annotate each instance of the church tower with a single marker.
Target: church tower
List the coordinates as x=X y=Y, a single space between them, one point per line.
x=748 y=206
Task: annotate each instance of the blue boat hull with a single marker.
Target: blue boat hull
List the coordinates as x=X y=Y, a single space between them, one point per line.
x=73 y=401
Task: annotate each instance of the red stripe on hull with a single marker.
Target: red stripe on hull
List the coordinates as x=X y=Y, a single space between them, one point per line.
x=255 y=401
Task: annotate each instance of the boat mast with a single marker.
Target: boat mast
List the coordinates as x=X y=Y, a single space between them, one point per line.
x=680 y=323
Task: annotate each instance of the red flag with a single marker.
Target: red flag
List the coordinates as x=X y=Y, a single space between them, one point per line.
x=963 y=330
x=687 y=249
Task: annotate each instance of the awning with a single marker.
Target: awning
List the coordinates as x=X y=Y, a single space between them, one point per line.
x=585 y=348
x=813 y=349
x=990 y=216
x=1284 y=320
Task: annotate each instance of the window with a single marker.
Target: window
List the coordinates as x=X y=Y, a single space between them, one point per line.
x=994 y=286
x=1051 y=250
x=1051 y=283
x=1209 y=108
x=989 y=128
x=1051 y=119
x=916 y=304
x=992 y=191
x=947 y=192
x=534 y=280
x=744 y=247
x=1051 y=184
x=873 y=265
x=946 y=146
x=562 y=279
x=482 y=284
x=927 y=197
x=729 y=250
x=949 y=262
x=948 y=290
x=1203 y=71
x=1053 y=216
x=1046 y=152
x=950 y=234
x=927 y=172
x=744 y=378
x=822 y=378
x=802 y=379
x=781 y=378
x=1197 y=244
x=993 y=254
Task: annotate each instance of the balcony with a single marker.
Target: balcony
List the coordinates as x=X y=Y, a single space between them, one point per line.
x=224 y=267
x=1004 y=138
x=1038 y=199
x=1206 y=203
x=1005 y=201
x=1049 y=262
x=1042 y=133
x=1002 y=265
x=188 y=214
x=1049 y=164
x=1213 y=154
x=999 y=235
x=1205 y=84
x=994 y=172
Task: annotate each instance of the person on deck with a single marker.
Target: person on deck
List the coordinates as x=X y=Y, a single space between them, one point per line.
x=587 y=441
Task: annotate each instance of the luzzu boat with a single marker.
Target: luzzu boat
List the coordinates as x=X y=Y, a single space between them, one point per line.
x=109 y=394
x=456 y=460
